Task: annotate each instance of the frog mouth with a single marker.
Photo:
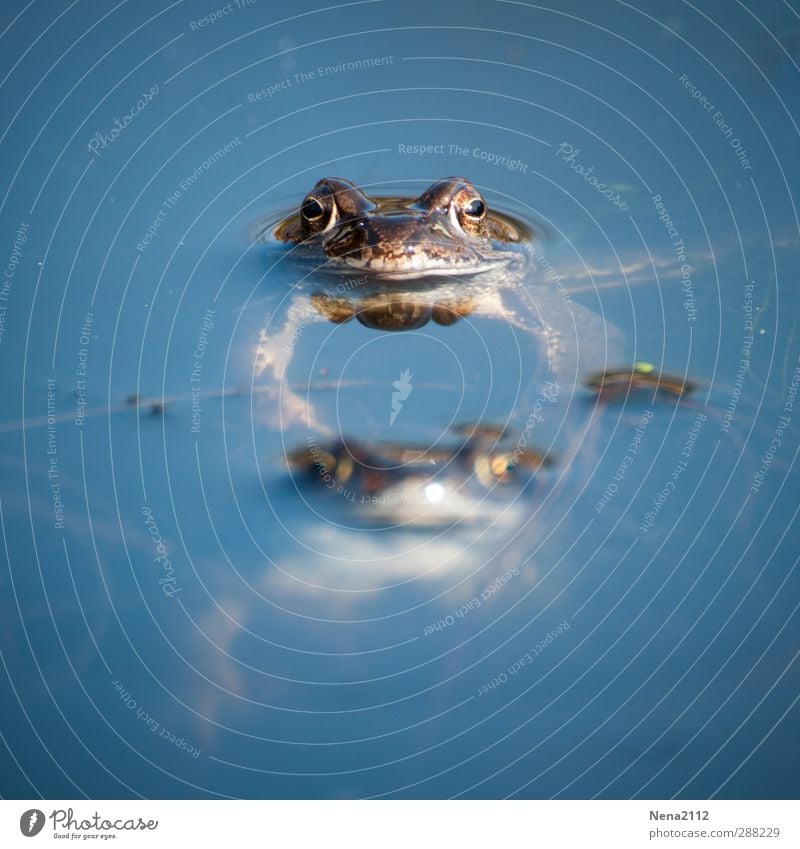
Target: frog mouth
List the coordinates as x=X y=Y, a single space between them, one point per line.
x=360 y=250
x=411 y=267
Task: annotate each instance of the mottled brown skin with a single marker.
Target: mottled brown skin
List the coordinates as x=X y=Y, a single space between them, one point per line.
x=447 y=231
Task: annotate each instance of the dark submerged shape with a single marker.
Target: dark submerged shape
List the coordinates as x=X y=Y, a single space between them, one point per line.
x=614 y=383
x=373 y=467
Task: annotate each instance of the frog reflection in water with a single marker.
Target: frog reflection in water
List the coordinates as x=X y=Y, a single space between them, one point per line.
x=404 y=481
x=397 y=264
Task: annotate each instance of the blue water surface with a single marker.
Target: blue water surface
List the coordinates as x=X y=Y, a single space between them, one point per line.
x=183 y=618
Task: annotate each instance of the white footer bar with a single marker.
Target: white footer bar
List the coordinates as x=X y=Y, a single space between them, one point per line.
x=406 y=824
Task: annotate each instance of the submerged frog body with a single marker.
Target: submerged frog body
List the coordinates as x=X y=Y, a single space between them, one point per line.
x=392 y=310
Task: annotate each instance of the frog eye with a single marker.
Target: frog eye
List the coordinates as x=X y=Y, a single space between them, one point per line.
x=312 y=209
x=469 y=209
x=475 y=209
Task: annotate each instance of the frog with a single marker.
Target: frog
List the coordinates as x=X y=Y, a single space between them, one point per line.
x=395 y=264
x=448 y=230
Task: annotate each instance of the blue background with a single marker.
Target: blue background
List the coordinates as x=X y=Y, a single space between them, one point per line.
x=295 y=657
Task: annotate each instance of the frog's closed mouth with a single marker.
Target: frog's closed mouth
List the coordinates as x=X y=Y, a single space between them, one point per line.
x=448 y=230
